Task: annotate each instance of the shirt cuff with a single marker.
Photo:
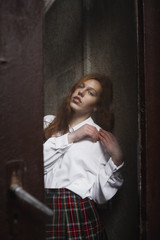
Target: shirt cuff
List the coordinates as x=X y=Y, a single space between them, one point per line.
x=111 y=167
x=62 y=141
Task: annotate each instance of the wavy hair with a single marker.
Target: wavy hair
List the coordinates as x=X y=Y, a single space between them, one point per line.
x=103 y=115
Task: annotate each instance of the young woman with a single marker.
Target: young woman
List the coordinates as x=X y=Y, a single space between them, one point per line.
x=82 y=161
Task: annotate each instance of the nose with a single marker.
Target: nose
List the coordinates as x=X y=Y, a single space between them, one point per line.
x=81 y=92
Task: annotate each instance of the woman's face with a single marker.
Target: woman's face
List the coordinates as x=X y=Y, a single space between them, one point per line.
x=85 y=97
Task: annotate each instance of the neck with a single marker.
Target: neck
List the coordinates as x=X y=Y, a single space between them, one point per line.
x=76 y=119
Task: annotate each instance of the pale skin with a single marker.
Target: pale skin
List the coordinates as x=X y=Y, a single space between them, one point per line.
x=83 y=103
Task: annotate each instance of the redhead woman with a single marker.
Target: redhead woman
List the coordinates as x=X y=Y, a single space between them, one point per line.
x=82 y=161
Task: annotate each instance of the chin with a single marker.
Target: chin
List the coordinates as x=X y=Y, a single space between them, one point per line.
x=73 y=106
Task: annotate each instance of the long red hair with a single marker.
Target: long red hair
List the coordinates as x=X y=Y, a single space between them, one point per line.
x=102 y=117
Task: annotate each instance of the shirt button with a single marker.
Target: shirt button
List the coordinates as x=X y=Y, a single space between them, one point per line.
x=71 y=130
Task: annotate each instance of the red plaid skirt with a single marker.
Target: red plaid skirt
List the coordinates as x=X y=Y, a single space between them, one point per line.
x=73 y=217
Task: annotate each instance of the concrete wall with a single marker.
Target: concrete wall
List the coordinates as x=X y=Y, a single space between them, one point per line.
x=63 y=41
x=100 y=35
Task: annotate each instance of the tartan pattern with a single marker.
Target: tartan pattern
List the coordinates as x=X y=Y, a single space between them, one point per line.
x=73 y=217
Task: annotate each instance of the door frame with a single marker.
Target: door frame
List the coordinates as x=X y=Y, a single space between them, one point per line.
x=148 y=38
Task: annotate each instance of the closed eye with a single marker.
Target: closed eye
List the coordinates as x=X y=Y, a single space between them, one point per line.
x=81 y=86
x=91 y=93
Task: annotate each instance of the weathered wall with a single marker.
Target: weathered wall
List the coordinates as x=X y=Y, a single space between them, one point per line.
x=21 y=98
x=63 y=50
x=91 y=35
x=114 y=46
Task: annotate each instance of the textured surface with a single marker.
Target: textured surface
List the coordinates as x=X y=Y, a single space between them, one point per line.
x=152 y=115
x=21 y=101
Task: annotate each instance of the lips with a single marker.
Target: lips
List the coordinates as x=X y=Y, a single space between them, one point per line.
x=77 y=99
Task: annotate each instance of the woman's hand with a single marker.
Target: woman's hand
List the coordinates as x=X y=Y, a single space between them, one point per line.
x=84 y=131
x=112 y=146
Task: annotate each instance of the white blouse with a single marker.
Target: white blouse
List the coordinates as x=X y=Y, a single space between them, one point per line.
x=84 y=167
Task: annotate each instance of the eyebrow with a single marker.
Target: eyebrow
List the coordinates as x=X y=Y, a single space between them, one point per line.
x=90 y=88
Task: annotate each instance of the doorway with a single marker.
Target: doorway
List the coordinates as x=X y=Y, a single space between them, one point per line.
x=100 y=36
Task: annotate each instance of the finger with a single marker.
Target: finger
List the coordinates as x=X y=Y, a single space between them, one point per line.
x=94 y=134
x=105 y=136
x=103 y=132
x=94 y=130
x=108 y=135
x=90 y=133
x=104 y=140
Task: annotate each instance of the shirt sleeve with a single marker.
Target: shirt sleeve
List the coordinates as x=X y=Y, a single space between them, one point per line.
x=54 y=147
x=109 y=180
x=47 y=120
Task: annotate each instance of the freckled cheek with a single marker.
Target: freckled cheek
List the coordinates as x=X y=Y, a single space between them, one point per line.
x=91 y=104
